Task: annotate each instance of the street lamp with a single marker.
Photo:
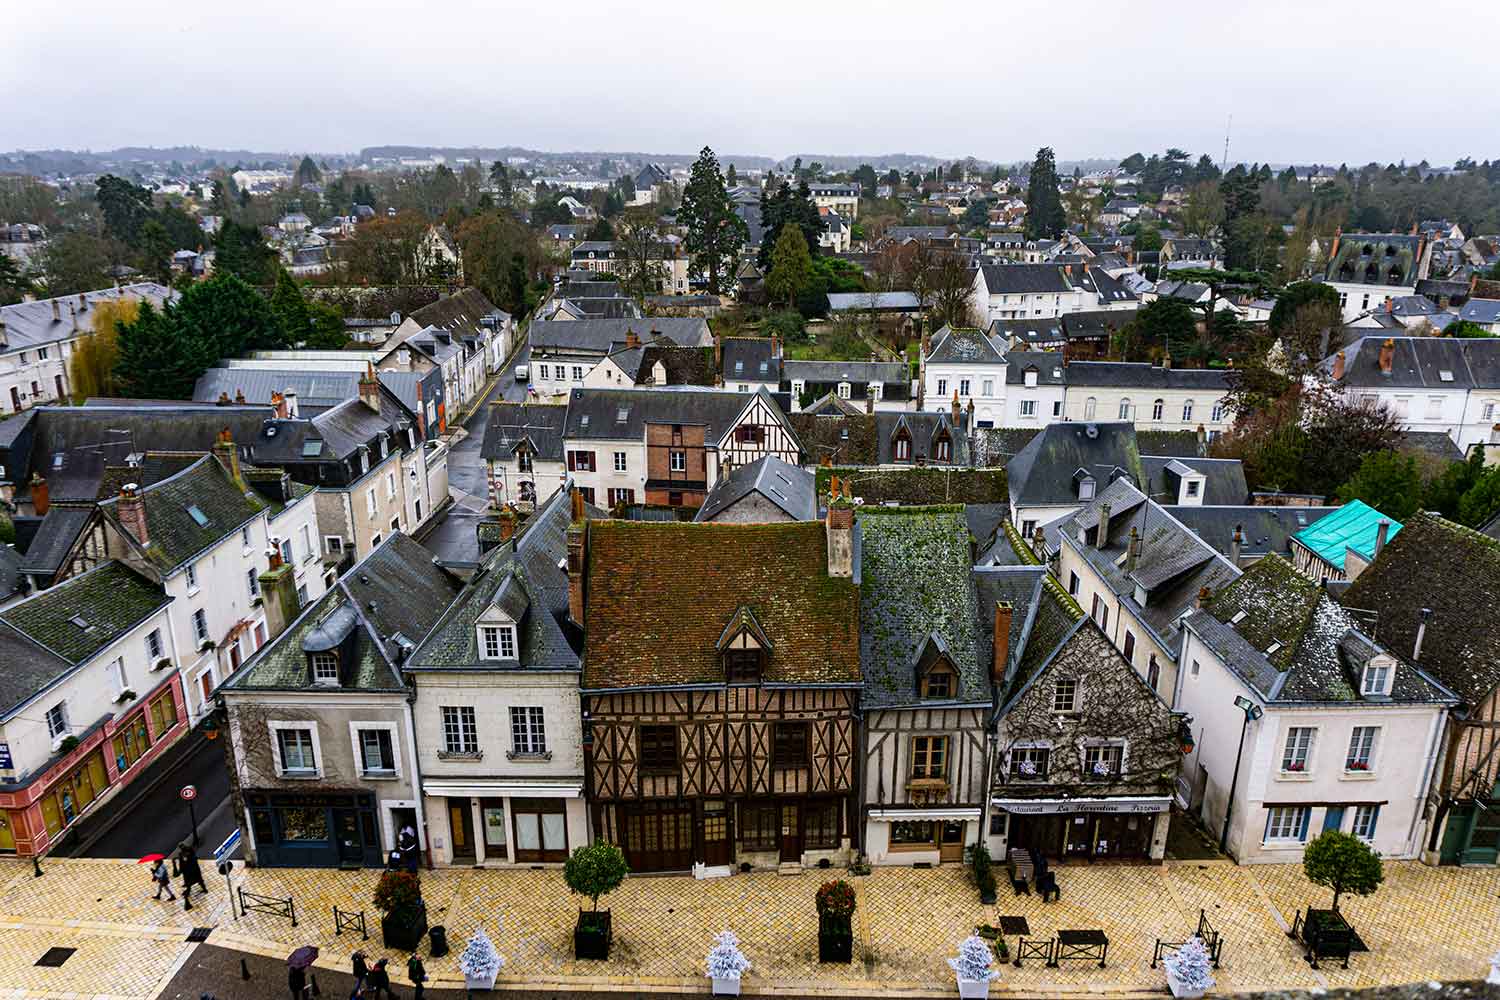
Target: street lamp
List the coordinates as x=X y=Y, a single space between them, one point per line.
x=1252 y=711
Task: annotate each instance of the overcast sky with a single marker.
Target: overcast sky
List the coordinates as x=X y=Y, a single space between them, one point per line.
x=1306 y=80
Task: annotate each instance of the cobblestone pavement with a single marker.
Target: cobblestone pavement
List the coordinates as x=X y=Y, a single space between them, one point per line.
x=1424 y=923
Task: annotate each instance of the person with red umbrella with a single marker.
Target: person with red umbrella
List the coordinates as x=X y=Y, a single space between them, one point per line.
x=160 y=874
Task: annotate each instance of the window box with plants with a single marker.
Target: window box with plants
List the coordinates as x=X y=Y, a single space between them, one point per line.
x=593 y=871
x=403 y=914
x=835 y=903
x=726 y=964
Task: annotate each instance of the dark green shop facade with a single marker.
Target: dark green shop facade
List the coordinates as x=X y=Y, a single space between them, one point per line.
x=1471 y=835
x=314 y=830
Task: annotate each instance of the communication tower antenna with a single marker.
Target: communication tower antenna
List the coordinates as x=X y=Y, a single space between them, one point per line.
x=1224 y=163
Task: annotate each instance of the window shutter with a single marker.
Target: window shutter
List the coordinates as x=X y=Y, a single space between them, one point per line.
x=572 y=461
x=1270 y=813
x=1374 y=820
x=1302 y=834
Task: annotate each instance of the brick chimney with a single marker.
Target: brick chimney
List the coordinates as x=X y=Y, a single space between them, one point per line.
x=132 y=513
x=840 y=531
x=507 y=523
x=631 y=340
x=369 y=388
x=223 y=399
x=957 y=407
x=1387 y=356
x=1003 y=613
x=1338 y=366
x=1237 y=544
x=775 y=346
x=278 y=403
x=1132 y=550
x=1333 y=251
x=577 y=557
x=1204 y=596
x=40 y=499
x=239 y=396
x=229 y=457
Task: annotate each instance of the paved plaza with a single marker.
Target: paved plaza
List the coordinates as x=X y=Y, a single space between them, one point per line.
x=1424 y=923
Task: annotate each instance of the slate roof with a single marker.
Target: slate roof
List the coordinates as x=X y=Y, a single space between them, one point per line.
x=879 y=301
x=1485 y=312
x=595 y=413
x=1422 y=362
x=649 y=623
x=602 y=336
x=1223 y=478
x=340 y=432
x=1174 y=564
x=1295 y=644
x=1353 y=526
x=461 y=313
x=521 y=577
x=313 y=389
x=1436 y=444
x=1265 y=529
x=1022 y=587
x=1054 y=620
x=1139 y=375
x=1453 y=570
x=395 y=589
x=750 y=359
x=902 y=611
x=55 y=538
x=787 y=486
x=511 y=423
x=1017 y=279
x=174 y=534
x=1095 y=323
x=924 y=429
x=684 y=365
x=966 y=346
x=843 y=438
x=26 y=326
x=1028 y=331
x=857 y=373
x=1370 y=258
x=1108 y=288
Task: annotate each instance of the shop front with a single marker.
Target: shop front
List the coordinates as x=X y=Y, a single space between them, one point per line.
x=1117 y=828
x=1471 y=833
x=314 y=830
x=919 y=836
x=484 y=821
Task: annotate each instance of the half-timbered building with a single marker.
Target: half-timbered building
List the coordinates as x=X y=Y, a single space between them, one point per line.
x=926 y=700
x=669 y=445
x=720 y=685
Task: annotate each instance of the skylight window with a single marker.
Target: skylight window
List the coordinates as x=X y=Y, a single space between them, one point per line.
x=80 y=622
x=1445 y=375
x=622 y=414
x=584 y=420
x=199 y=518
x=1239 y=616
x=1273 y=648
x=312 y=448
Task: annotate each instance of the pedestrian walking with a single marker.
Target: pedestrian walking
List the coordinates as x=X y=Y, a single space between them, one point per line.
x=406 y=843
x=380 y=981
x=192 y=873
x=296 y=981
x=361 y=971
x=417 y=973
x=163 y=879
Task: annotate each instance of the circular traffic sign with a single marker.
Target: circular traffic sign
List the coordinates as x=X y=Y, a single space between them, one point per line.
x=188 y=793
x=225 y=867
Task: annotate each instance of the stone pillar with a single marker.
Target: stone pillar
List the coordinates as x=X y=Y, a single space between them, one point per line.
x=278 y=588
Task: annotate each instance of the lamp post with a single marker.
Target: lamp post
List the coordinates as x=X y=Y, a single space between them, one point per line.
x=1252 y=711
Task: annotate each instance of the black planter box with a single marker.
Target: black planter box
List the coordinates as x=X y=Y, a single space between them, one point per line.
x=400 y=934
x=987 y=897
x=591 y=941
x=835 y=939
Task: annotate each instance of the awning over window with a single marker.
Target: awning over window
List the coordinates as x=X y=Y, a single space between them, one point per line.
x=898 y=815
x=482 y=788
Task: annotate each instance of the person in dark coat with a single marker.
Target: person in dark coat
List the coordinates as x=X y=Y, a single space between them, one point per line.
x=406 y=843
x=296 y=981
x=380 y=981
x=361 y=971
x=192 y=873
x=417 y=973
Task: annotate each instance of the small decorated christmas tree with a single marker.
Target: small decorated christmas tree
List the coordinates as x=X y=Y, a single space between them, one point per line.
x=480 y=960
x=1188 y=967
x=725 y=960
x=974 y=960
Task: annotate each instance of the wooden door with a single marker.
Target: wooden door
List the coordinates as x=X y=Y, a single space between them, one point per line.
x=951 y=841
x=717 y=849
x=461 y=829
x=659 y=836
x=791 y=832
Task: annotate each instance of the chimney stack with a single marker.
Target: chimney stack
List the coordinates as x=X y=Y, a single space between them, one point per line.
x=957 y=407
x=631 y=340
x=1132 y=550
x=229 y=458
x=239 y=396
x=577 y=554
x=1204 y=596
x=132 y=513
x=1338 y=366
x=56 y=311
x=1382 y=532
x=1102 y=538
x=223 y=399
x=718 y=353
x=1003 y=614
x=40 y=499
x=1387 y=356
x=775 y=346
x=369 y=388
x=839 y=527
x=291 y=402
x=507 y=523
x=278 y=403
x=1237 y=545
x=1416 y=653
x=1166 y=360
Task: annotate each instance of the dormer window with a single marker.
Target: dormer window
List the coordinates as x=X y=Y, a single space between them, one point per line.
x=744 y=648
x=325 y=668
x=497 y=642
x=1376 y=681
x=873 y=390
x=364 y=461
x=742 y=666
x=844 y=390
x=1086 y=488
x=901 y=446
x=1031 y=378
x=938 y=682
x=942 y=447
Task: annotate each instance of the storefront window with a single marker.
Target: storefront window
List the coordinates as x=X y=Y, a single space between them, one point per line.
x=493 y=811
x=304 y=823
x=913 y=833
x=163 y=713
x=541 y=829
x=760 y=827
x=821 y=824
x=67 y=798
x=131 y=742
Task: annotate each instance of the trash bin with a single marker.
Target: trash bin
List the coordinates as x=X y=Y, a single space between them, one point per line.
x=439 y=937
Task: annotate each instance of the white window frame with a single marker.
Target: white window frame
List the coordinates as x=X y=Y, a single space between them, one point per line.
x=154 y=649
x=1287 y=824
x=504 y=635
x=528 y=730
x=307 y=545
x=1363 y=742
x=471 y=721
x=942 y=387
x=1376 y=679
x=1028 y=408
x=356 y=727
x=58 y=730
x=334 y=544
x=1187 y=411
x=963 y=387
x=1298 y=748
x=845 y=390
x=621 y=462
x=677 y=461
x=191 y=573
x=200 y=626
x=276 y=726
x=370 y=504
x=1366 y=822
x=1057 y=690
x=1125 y=408
x=390 y=485
x=1086 y=747
x=317 y=660
x=252 y=582
x=1157 y=407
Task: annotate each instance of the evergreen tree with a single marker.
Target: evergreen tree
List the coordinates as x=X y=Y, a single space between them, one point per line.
x=1045 y=218
x=731 y=178
x=125 y=207
x=787 y=206
x=239 y=250
x=290 y=308
x=715 y=234
x=791 y=266
x=307 y=173
x=1389 y=482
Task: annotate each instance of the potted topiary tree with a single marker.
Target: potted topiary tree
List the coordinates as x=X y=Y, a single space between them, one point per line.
x=1344 y=863
x=480 y=962
x=1187 y=968
x=593 y=871
x=403 y=914
x=974 y=968
x=835 y=902
x=726 y=964
x=984 y=875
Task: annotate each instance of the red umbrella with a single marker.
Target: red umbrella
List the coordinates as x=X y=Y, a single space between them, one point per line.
x=151 y=859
